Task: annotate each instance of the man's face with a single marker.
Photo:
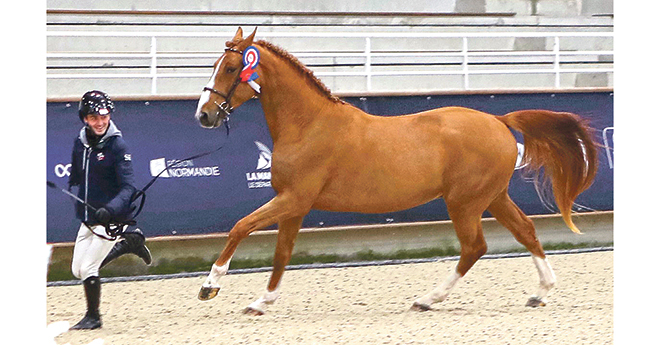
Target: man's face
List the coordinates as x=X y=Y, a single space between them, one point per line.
x=98 y=123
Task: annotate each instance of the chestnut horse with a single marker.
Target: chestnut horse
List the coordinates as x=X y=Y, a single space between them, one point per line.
x=329 y=155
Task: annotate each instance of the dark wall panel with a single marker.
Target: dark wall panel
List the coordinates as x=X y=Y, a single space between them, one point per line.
x=211 y=193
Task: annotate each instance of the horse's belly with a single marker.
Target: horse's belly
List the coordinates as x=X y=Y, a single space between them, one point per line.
x=366 y=195
x=368 y=204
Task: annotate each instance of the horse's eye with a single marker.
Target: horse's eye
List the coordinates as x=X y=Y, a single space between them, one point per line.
x=231 y=69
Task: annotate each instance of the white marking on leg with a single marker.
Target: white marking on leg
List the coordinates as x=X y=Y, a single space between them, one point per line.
x=267 y=299
x=216 y=273
x=546 y=276
x=440 y=294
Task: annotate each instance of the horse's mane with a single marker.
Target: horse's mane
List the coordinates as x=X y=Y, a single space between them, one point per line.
x=297 y=65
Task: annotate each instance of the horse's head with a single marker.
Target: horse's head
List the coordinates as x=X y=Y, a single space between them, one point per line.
x=232 y=82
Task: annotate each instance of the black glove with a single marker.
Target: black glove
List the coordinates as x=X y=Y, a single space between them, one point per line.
x=102 y=215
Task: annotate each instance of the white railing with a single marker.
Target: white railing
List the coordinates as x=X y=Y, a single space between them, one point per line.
x=465 y=54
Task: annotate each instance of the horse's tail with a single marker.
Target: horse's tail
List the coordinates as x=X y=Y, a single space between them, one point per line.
x=561 y=143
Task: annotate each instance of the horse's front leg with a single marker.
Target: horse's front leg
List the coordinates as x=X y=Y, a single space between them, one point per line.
x=268 y=214
x=264 y=216
x=286 y=237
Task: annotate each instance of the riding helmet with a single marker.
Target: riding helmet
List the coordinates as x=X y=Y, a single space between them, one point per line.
x=95 y=102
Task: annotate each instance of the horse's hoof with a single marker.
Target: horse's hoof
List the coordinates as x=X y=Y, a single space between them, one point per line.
x=206 y=293
x=252 y=311
x=420 y=307
x=535 y=302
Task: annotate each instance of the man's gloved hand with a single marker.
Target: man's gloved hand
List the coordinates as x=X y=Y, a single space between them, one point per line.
x=102 y=215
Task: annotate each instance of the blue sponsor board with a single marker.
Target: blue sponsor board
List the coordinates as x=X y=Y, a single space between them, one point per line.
x=209 y=194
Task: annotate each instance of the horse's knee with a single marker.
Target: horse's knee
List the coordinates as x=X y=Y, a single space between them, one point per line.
x=237 y=233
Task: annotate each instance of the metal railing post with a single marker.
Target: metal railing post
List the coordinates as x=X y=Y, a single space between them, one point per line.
x=555 y=49
x=466 y=79
x=153 y=70
x=367 y=62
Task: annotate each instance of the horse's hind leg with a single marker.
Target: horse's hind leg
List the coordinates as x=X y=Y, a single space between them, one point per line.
x=286 y=237
x=508 y=214
x=473 y=245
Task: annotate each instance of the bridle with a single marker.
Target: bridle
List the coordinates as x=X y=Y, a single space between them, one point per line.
x=225 y=106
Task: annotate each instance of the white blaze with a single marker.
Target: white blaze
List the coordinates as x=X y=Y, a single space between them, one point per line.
x=206 y=95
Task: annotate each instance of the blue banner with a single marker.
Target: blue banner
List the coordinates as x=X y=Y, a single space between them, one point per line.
x=209 y=194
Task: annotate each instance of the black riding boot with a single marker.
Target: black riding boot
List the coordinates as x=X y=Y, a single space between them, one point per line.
x=92 y=319
x=133 y=243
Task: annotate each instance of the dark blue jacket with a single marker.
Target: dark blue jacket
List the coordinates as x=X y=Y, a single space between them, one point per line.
x=103 y=174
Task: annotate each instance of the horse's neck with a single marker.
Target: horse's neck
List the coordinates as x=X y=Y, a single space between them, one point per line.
x=291 y=106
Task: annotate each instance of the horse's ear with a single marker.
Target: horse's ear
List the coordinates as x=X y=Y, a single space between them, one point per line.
x=239 y=34
x=247 y=41
x=237 y=38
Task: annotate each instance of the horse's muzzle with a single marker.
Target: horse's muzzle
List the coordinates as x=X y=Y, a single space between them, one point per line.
x=214 y=120
x=205 y=120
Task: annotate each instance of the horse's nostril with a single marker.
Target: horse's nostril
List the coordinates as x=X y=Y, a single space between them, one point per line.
x=204 y=118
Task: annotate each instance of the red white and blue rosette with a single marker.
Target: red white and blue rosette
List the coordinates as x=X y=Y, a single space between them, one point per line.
x=250 y=63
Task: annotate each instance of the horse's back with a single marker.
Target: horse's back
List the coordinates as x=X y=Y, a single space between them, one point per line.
x=450 y=132
x=384 y=164
x=469 y=128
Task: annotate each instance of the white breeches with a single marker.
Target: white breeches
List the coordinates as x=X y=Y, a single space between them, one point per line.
x=89 y=252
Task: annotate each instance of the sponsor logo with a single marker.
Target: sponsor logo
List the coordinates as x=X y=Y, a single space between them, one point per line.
x=173 y=168
x=100 y=156
x=260 y=178
x=62 y=170
x=127 y=157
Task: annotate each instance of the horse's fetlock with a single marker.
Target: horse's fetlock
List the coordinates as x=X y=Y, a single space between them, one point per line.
x=549 y=284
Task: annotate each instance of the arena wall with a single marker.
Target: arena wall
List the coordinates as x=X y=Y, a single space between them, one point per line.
x=193 y=254
x=209 y=194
